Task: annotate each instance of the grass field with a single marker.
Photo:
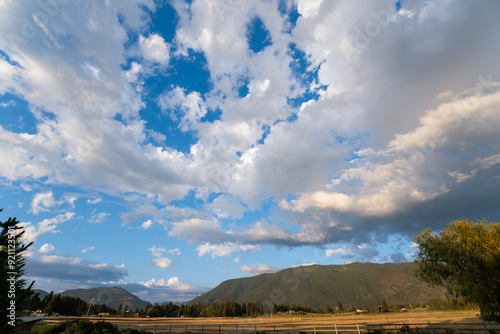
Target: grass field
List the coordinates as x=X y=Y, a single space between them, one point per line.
x=207 y=325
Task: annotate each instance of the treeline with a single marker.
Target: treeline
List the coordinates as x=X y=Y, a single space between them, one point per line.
x=71 y=306
x=64 y=305
x=281 y=308
x=217 y=309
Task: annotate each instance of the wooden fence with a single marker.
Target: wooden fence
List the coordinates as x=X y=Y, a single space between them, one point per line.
x=434 y=328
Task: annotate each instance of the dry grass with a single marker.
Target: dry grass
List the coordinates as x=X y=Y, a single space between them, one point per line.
x=462 y=316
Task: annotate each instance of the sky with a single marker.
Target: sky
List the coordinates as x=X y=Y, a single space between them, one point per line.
x=167 y=146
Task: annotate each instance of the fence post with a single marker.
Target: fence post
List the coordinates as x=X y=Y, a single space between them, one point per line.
x=381 y=329
x=219 y=329
x=237 y=331
x=458 y=330
x=274 y=329
x=202 y=328
x=336 y=332
x=186 y=328
x=293 y=329
x=487 y=331
x=430 y=326
x=170 y=329
x=314 y=328
x=404 y=326
x=357 y=326
x=156 y=325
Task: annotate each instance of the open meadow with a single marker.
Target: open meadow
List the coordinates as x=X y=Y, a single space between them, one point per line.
x=434 y=321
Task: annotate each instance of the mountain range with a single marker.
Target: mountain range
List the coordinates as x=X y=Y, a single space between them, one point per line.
x=111 y=297
x=355 y=284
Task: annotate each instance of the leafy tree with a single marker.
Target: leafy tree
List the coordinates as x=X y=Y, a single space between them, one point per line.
x=465 y=259
x=340 y=307
x=14 y=292
x=385 y=307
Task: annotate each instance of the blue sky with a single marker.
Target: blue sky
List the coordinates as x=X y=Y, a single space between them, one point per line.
x=167 y=146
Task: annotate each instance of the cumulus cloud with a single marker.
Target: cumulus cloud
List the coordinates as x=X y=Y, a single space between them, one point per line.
x=162 y=262
x=47 y=248
x=226 y=206
x=154 y=49
x=147 y=224
x=357 y=120
x=45 y=201
x=42 y=202
x=402 y=178
x=188 y=109
x=173 y=289
x=158 y=259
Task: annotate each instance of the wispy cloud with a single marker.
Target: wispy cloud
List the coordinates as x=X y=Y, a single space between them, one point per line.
x=49 y=225
x=259 y=268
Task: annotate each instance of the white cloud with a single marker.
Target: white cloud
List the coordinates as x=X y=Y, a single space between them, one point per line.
x=42 y=202
x=226 y=206
x=173 y=289
x=196 y=230
x=95 y=200
x=308 y=8
x=335 y=252
x=358 y=253
x=133 y=73
x=154 y=48
x=47 y=248
x=397 y=181
x=45 y=201
x=88 y=249
x=175 y=251
x=187 y=109
x=98 y=217
x=157 y=252
x=259 y=268
x=147 y=224
x=162 y=262
x=158 y=260
x=11 y=103
x=225 y=249
x=49 y=225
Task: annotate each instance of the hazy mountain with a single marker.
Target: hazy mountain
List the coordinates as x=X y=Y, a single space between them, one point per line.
x=112 y=297
x=355 y=284
x=42 y=293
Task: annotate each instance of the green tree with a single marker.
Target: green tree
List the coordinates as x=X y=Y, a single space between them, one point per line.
x=119 y=310
x=385 y=307
x=14 y=292
x=465 y=259
x=340 y=307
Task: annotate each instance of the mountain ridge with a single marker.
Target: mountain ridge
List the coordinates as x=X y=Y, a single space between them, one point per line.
x=356 y=284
